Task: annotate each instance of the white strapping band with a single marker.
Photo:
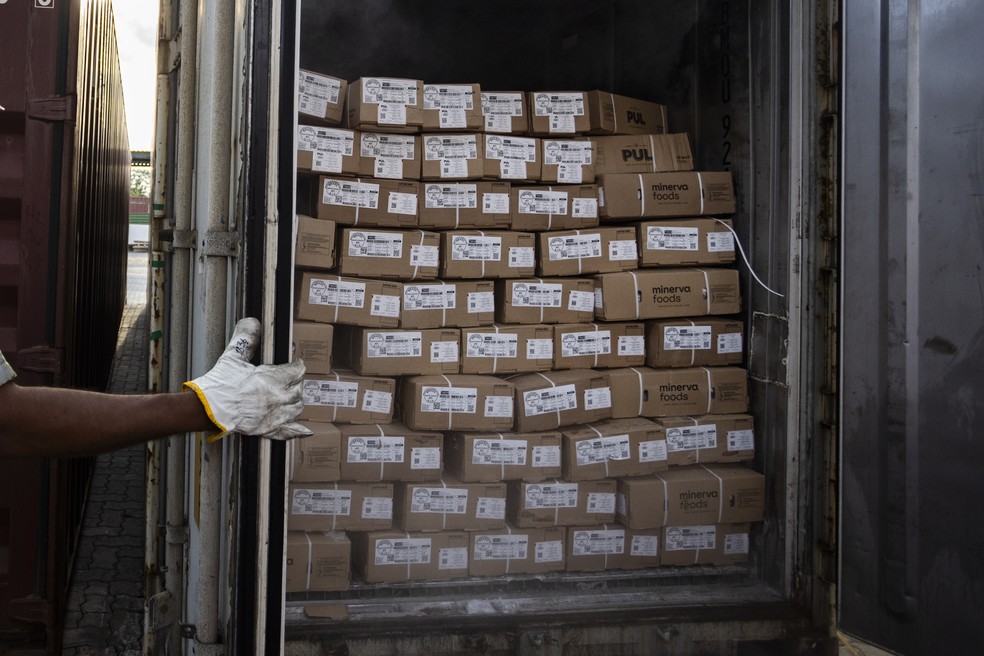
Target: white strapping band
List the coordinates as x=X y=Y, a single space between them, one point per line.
x=310 y=562
x=550 y=216
x=707 y=289
x=611 y=97
x=382 y=463
x=457 y=205
x=666 y=499
x=508 y=549
x=482 y=233
x=635 y=292
x=697 y=442
x=502 y=462
x=554 y=385
x=710 y=390
x=334 y=515
x=358 y=202
x=642 y=388
x=720 y=493
x=700 y=186
x=420 y=244
x=448 y=381
x=642 y=197
x=602 y=437
x=334 y=408
x=408 y=556
x=652 y=149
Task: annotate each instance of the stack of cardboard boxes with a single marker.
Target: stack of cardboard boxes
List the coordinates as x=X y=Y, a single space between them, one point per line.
x=516 y=311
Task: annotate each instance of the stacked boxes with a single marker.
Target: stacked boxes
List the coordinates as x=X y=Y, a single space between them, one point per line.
x=517 y=311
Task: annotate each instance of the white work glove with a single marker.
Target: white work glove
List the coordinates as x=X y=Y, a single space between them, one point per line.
x=259 y=400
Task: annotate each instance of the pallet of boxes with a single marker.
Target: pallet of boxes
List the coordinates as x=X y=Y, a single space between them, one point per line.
x=517 y=312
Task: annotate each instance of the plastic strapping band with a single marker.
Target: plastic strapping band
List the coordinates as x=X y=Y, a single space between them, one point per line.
x=720 y=493
x=408 y=555
x=550 y=216
x=334 y=515
x=444 y=301
x=577 y=233
x=482 y=233
x=700 y=186
x=611 y=97
x=420 y=247
x=293 y=459
x=602 y=437
x=666 y=499
x=508 y=549
x=693 y=348
x=382 y=464
x=502 y=462
x=310 y=562
x=554 y=385
x=710 y=390
x=642 y=197
x=697 y=442
x=495 y=351
x=642 y=388
x=597 y=337
x=358 y=203
x=540 y=281
x=457 y=205
x=338 y=291
x=334 y=408
x=652 y=149
x=707 y=289
x=444 y=512
x=556 y=506
x=635 y=292
x=448 y=381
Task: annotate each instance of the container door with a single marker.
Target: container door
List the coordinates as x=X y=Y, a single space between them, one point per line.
x=912 y=539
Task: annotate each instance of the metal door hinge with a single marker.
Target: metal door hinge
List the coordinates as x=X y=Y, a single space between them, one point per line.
x=51 y=108
x=220 y=243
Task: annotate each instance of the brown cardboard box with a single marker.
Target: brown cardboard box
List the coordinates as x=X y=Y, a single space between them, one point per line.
x=385 y=104
x=391 y=156
x=694 y=342
x=368 y=202
x=685 y=242
x=505 y=112
x=390 y=452
x=315 y=459
x=641 y=549
x=453 y=107
x=613 y=448
x=666 y=293
x=594 y=548
x=397 y=556
x=312 y=343
x=512 y=550
x=454 y=205
x=545 y=401
x=559 y=503
x=709 y=544
x=709 y=438
x=643 y=153
x=554 y=207
x=487 y=254
x=318 y=562
x=511 y=157
x=491 y=457
x=599 y=345
x=627 y=196
x=567 y=161
x=353 y=301
x=327 y=150
x=398 y=352
x=580 y=252
x=396 y=254
x=648 y=392
x=640 y=502
x=558 y=113
x=315 y=244
x=457 y=402
x=339 y=506
x=544 y=300
x=320 y=98
x=451 y=157
x=346 y=398
x=448 y=304
x=450 y=505
x=506 y=349
x=609 y=113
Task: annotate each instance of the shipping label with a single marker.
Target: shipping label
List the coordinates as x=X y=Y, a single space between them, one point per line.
x=549 y=551
x=512 y=169
x=539 y=349
x=645 y=546
x=425 y=458
x=449 y=400
x=686 y=538
x=502 y=547
x=377 y=402
x=407 y=344
x=481 y=302
x=337 y=292
x=321 y=502
x=429 y=297
x=521 y=257
x=448 y=96
x=444 y=500
x=601 y=503
x=335 y=393
x=652 y=451
x=537 y=294
x=385 y=306
x=375 y=244
x=499 y=109
x=389 y=91
x=546 y=456
x=686 y=338
x=389 y=146
x=390 y=168
x=499 y=406
x=492 y=345
x=517 y=149
x=453 y=558
x=391 y=114
x=444 y=351
x=404 y=204
x=499 y=452
x=598 y=542
x=476 y=248
x=490 y=508
x=315 y=92
x=570 y=173
x=729 y=343
x=495 y=203
x=450 y=196
x=602 y=449
x=402 y=551
x=598 y=398
x=720 y=242
x=735 y=544
x=577 y=153
x=551 y=495
x=671 y=238
x=585 y=208
x=574 y=247
x=377 y=508
x=632 y=345
x=689 y=438
x=586 y=343
x=533 y=201
x=423 y=255
x=378 y=449
x=450 y=147
x=741 y=440
x=623 y=250
x=350 y=193
x=550 y=399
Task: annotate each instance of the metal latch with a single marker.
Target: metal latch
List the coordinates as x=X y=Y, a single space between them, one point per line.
x=221 y=243
x=51 y=108
x=41 y=359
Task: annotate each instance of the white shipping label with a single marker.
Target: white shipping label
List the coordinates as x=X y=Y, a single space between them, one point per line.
x=621 y=504
x=587 y=343
x=452 y=118
x=652 y=451
x=512 y=169
x=584 y=208
x=337 y=292
x=741 y=440
x=532 y=201
x=395 y=345
x=389 y=90
x=390 y=168
x=448 y=96
x=539 y=349
x=493 y=203
x=492 y=345
x=402 y=551
x=578 y=153
x=476 y=248
x=515 y=149
x=323 y=161
x=391 y=114
x=490 y=508
x=537 y=294
x=454 y=168
x=429 y=297
x=377 y=508
x=645 y=546
x=599 y=298
x=423 y=256
x=735 y=544
x=499 y=452
x=598 y=542
x=685 y=538
x=321 y=502
x=632 y=345
x=315 y=92
x=326 y=140
x=450 y=196
x=688 y=438
x=339 y=394
x=686 y=338
x=597 y=399
x=375 y=449
x=384 y=306
x=444 y=352
x=350 y=193
x=620 y=250
x=425 y=458
x=547 y=103
x=521 y=257
x=453 y=558
x=502 y=547
x=400 y=203
x=602 y=449
x=499 y=109
x=444 y=500
x=550 y=399
x=449 y=400
x=729 y=343
x=479 y=302
x=671 y=238
x=451 y=147
x=499 y=406
x=551 y=495
x=546 y=456
x=720 y=242
x=549 y=551
x=375 y=244
x=574 y=247
x=570 y=173
x=581 y=302
x=601 y=503
x=377 y=402
x=389 y=146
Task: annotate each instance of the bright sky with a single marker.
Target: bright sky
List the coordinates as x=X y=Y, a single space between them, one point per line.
x=136 y=35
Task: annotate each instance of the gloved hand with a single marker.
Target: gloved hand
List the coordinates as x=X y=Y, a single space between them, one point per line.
x=259 y=400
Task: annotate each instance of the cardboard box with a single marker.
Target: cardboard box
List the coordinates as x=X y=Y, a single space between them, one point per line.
x=648 y=392
x=512 y=550
x=327 y=150
x=448 y=304
x=455 y=205
x=642 y=153
x=492 y=254
x=544 y=300
x=641 y=549
x=457 y=402
x=314 y=247
x=390 y=156
x=450 y=505
x=594 y=548
x=385 y=104
x=396 y=254
x=318 y=562
x=353 y=301
x=560 y=503
x=613 y=448
x=567 y=161
x=609 y=113
x=511 y=157
x=451 y=157
x=398 y=352
x=556 y=113
x=320 y=98
x=505 y=112
x=599 y=345
x=397 y=556
x=346 y=398
x=317 y=458
x=367 y=202
x=627 y=196
x=712 y=544
x=561 y=207
x=506 y=349
x=341 y=506
x=685 y=242
x=312 y=343
x=453 y=107
x=579 y=252
x=390 y=452
x=666 y=293
x=694 y=342
x=709 y=439
x=545 y=401
x=492 y=457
